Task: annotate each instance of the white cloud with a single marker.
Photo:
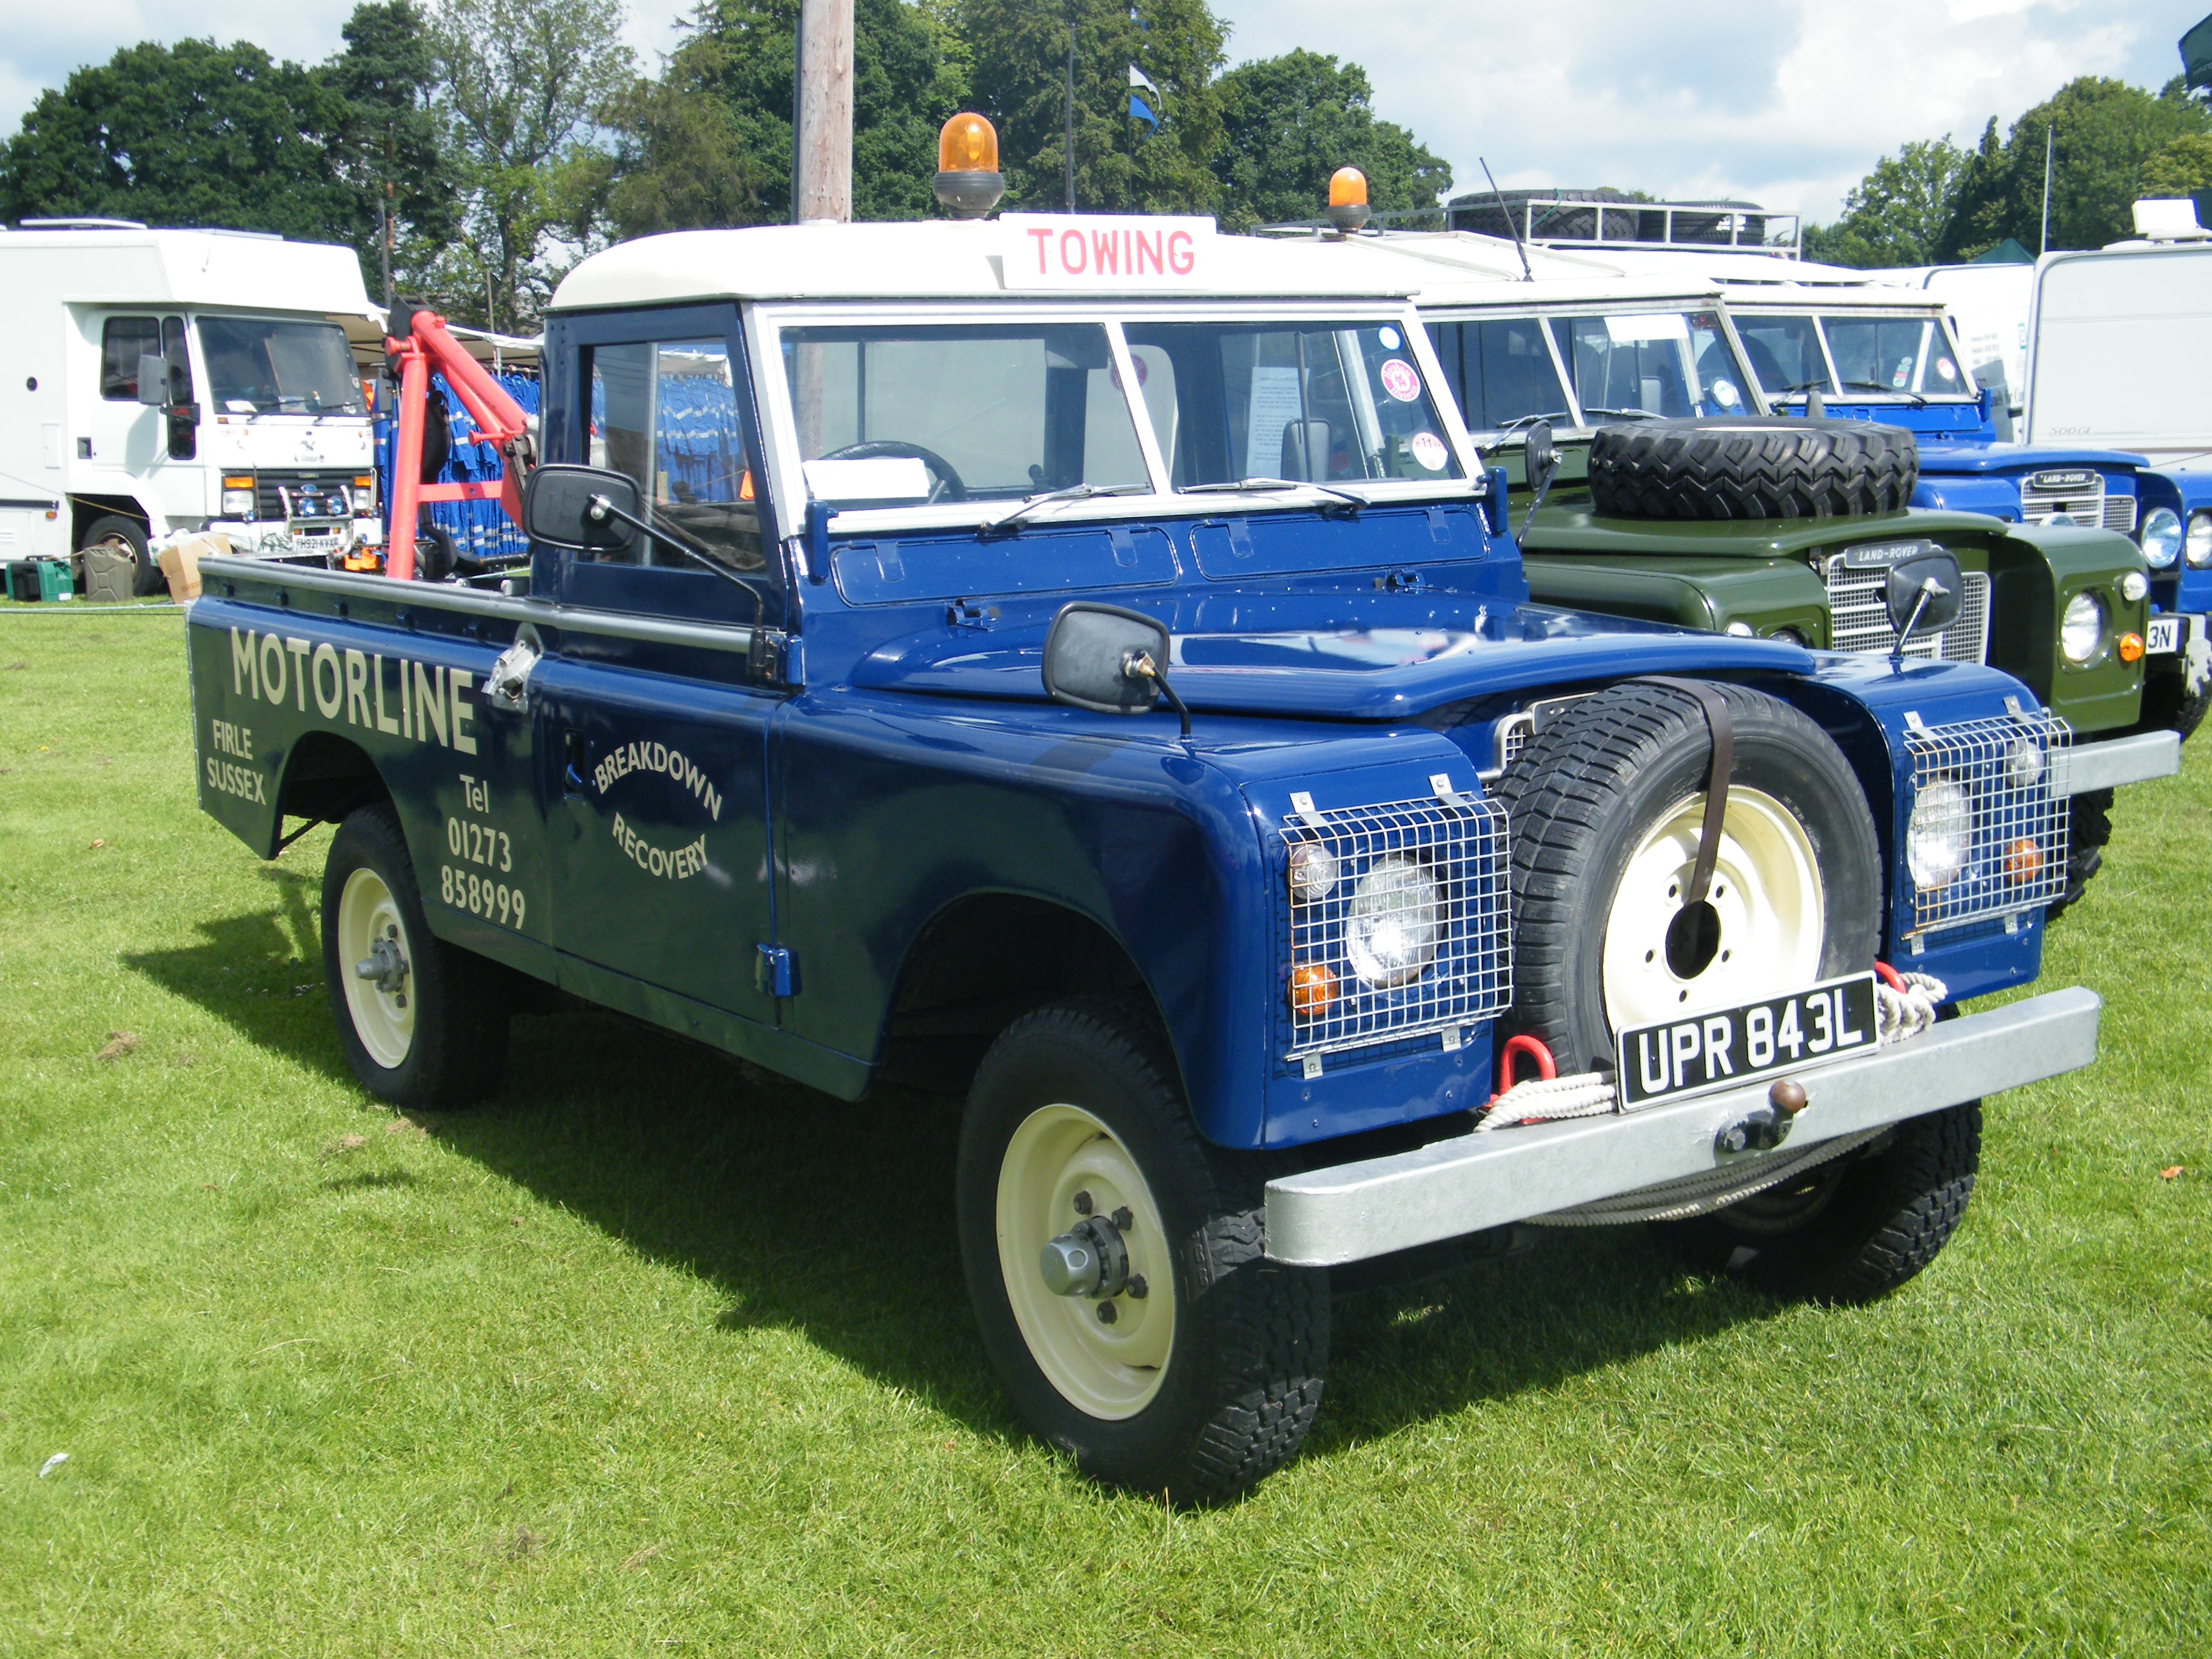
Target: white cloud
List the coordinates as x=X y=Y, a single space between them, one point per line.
x=1786 y=103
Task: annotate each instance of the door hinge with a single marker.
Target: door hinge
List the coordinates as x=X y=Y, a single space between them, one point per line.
x=775 y=973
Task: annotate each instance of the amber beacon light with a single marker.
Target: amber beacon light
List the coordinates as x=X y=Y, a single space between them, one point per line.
x=1347 y=199
x=969 y=185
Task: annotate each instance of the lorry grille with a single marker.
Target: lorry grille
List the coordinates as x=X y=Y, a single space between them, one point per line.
x=2015 y=825
x=1457 y=889
x=1861 y=617
x=270 y=489
x=2083 y=502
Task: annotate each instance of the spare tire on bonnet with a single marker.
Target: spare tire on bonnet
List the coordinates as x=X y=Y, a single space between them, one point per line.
x=1754 y=467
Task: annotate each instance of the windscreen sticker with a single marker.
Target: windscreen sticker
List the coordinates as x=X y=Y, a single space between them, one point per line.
x=1726 y=395
x=1400 y=380
x=1388 y=336
x=1429 y=450
x=1945 y=368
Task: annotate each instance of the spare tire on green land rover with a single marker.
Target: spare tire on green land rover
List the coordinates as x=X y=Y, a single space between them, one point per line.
x=1752 y=467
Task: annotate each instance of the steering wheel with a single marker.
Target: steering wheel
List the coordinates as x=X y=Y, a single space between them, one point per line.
x=948 y=487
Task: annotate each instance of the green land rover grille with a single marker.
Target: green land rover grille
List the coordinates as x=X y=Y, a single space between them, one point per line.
x=1861 y=616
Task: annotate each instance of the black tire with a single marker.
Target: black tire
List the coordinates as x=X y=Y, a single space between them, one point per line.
x=1586 y=790
x=2088 y=827
x=146 y=579
x=2168 y=706
x=1242 y=1377
x=1754 y=467
x=1852 y=1231
x=459 y=1002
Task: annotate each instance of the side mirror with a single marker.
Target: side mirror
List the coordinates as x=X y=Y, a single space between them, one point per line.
x=1108 y=660
x=561 y=506
x=154 y=381
x=1540 y=456
x=1924 y=596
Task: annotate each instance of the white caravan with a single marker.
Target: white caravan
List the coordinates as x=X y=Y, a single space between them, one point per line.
x=158 y=381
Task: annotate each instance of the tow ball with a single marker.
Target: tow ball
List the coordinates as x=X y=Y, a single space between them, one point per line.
x=1762 y=1129
x=384 y=966
x=1091 y=1259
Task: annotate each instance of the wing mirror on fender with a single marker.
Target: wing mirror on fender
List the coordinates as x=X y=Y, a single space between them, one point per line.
x=1540 y=460
x=1109 y=661
x=1923 y=597
x=586 y=509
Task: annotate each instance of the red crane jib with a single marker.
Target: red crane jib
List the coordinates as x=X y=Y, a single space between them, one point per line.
x=422 y=345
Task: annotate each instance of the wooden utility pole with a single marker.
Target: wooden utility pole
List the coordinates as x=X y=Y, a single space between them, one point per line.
x=822 y=125
x=1070 y=112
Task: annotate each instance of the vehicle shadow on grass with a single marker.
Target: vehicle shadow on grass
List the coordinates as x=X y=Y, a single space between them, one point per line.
x=833 y=1219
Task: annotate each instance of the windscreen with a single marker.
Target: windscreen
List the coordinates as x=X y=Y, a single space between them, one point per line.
x=1331 y=403
x=1501 y=371
x=1896 y=354
x=913 y=414
x=1784 y=353
x=1650 y=365
x=258 y=366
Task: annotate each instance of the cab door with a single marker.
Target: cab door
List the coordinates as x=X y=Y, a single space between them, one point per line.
x=654 y=718
x=147 y=451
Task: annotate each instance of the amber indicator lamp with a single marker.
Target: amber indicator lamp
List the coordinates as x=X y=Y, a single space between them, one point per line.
x=969 y=184
x=1347 y=200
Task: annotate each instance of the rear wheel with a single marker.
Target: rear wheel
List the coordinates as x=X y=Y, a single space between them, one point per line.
x=1115 y=1262
x=1606 y=804
x=1853 y=1229
x=424 y=1023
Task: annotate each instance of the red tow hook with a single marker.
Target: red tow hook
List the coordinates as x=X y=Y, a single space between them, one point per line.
x=1546 y=1067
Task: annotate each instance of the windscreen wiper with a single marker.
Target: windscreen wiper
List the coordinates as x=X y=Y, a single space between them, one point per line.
x=1009 y=523
x=1230 y=487
x=1625 y=414
x=1913 y=397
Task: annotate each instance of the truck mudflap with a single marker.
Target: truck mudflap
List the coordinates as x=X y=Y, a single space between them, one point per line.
x=1470 y=1182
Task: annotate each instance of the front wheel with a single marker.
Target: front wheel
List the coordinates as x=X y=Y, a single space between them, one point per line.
x=1853 y=1229
x=424 y=1023
x=128 y=536
x=1115 y=1262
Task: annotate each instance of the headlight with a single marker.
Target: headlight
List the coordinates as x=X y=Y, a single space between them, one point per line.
x=2024 y=763
x=364 y=495
x=2082 y=630
x=2135 y=587
x=1936 y=840
x=237 y=504
x=1394 y=921
x=2161 y=537
x=2200 y=540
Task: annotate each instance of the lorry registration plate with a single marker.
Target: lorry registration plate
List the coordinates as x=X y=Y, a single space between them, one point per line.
x=1722 y=1047
x=2163 y=637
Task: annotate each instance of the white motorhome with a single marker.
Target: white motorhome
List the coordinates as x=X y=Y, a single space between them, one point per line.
x=158 y=381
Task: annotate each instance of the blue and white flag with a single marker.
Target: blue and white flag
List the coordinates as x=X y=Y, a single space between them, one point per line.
x=1137 y=79
x=1142 y=112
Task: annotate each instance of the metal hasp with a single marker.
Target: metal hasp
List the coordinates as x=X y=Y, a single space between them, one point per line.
x=1470 y=1182
x=417 y=344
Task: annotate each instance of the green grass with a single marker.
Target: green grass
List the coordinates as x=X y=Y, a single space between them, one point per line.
x=654 y=1353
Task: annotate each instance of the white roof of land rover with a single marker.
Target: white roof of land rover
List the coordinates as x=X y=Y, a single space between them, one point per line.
x=987 y=259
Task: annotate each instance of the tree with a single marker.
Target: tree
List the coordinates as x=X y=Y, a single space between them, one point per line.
x=1289 y=121
x=1898 y=214
x=1020 y=76
x=386 y=148
x=2105 y=134
x=522 y=83
x=2183 y=167
x=709 y=142
x=196 y=134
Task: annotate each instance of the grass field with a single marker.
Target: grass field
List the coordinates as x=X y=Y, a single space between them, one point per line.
x=653 y=1353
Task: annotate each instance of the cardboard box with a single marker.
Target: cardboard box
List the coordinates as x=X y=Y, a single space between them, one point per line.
x=180 y=563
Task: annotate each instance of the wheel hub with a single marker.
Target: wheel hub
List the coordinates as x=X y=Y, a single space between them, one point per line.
x=384 y=966
x=1088 y=1260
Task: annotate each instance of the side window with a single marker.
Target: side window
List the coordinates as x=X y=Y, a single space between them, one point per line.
x=666 y=413
x=123 y=342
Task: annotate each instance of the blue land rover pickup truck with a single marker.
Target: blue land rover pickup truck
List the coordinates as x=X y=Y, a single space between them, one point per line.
x=1092 y=649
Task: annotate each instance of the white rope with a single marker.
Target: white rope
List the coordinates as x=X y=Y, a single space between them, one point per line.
x=1900 y=1015
x=1548 y=1100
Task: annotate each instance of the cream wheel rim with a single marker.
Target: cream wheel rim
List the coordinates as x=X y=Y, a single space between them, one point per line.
x=1107 y=1370
x=383 y=1013
x=1766 y=897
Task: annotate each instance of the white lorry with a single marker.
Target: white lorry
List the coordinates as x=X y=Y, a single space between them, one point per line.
x=158 y=380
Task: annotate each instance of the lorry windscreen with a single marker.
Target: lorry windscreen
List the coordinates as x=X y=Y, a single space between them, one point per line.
x=260 y=366
x=1324 y=402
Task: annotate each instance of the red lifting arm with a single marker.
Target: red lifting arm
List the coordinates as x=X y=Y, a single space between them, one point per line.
x=418 y=344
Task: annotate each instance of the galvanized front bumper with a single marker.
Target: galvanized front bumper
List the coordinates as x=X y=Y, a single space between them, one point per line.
x=1449 y=1188
x=2135 y=758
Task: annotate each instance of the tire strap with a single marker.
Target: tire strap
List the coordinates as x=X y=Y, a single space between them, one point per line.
x=1716 y=780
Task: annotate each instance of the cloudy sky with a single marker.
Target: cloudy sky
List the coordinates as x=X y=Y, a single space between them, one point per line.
x=1787 y=102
